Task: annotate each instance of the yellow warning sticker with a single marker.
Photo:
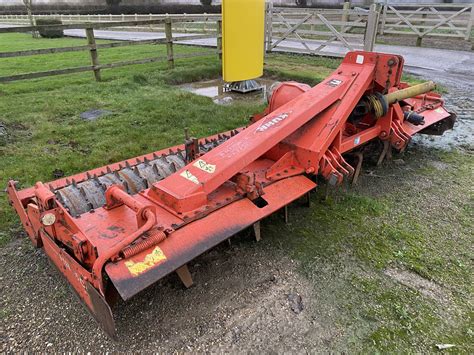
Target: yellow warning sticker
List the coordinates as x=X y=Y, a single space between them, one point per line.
x=439 y=110
x=188 y=175
x=155 y=257
x=208 y=168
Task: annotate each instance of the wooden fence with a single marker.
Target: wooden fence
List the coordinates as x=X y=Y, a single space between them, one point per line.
x=202 y=23
x=93 y=47
x=321 y=32
x=423 y=20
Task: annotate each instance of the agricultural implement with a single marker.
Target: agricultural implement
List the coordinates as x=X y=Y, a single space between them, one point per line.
x=115 y=230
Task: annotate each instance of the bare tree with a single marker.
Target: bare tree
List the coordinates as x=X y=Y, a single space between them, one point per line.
x=28 y=4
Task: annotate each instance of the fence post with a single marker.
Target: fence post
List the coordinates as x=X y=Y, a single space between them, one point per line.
x=384 y=17
x=31 y=18
x=346 y=7
x=269 y=24
x=93 y=52
x=169 y=43
x=470 y=24
x=419 y=39
x=219 y=39
x=371 y=29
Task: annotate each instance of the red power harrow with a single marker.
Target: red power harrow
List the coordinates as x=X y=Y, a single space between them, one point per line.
x=118 y=229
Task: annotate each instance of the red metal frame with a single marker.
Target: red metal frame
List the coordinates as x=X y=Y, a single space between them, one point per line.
x=135 y=240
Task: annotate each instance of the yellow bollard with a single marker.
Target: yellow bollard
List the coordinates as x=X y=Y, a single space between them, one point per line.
x=243 y=28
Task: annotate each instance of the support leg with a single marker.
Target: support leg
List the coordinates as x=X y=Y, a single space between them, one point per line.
x=185 y=276
x=285 y=214
x=256 y=230
x=386 y=152
x=307 y=201
x=386 y=147
x=360 y=159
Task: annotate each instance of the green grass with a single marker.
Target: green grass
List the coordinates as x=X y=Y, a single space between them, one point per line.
x=403 y=219
x=306 y=69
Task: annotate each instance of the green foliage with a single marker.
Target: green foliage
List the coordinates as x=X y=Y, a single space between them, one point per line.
x=49 y=32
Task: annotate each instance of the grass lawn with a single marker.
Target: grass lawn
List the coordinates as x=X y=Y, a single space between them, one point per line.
x=402 y=220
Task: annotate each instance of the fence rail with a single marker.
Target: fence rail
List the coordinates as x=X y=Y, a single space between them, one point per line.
x=319 y=31
x=93 y=47
x=327 y=32
x=428 y=20
x=195 y=23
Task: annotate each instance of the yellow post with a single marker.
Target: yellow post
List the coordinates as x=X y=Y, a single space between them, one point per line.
x=243 y=32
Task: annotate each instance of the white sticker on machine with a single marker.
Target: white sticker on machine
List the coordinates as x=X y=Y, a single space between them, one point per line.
x=334 y=82
x=208 y=168
x=360 y=59
x=188 y=175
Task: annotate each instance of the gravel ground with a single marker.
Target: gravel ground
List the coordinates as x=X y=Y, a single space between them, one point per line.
x=459 y=81
x=246 y=297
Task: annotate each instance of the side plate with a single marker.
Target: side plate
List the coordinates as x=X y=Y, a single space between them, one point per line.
x=132 y=275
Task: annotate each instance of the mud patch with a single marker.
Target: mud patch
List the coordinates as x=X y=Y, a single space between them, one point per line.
x=10 y=131
x=94 y=114
x=3 y=134
x=418 y=283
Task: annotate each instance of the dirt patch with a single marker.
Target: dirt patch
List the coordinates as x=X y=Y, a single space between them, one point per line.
x=8 y=132
x=3 y=134
x=418 y=283
x=240 y=303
